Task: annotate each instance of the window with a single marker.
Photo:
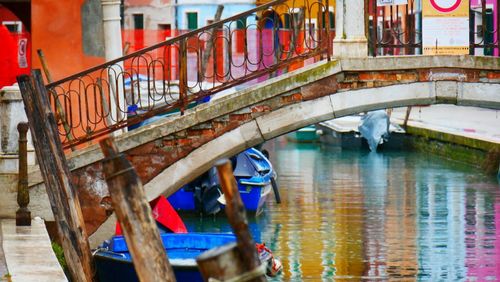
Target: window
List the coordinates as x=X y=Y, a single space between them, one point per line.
x=164 y=27
x=287 y=20
x=138 y=21
x=192 y=20
x=331 y=18
x=241 y=23
x=122 y=13
x=13 y=26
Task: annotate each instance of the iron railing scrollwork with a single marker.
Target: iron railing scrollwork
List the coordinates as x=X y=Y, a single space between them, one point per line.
x=394 y=30
x=173 y=75
x=397 y=29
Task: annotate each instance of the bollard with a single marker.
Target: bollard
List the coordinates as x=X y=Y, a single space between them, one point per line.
x=23 y=215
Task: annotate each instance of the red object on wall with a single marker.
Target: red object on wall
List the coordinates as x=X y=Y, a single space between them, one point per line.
x=15 y=50
x=8 y=54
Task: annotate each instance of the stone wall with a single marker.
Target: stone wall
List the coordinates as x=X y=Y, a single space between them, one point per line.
x=11 y=114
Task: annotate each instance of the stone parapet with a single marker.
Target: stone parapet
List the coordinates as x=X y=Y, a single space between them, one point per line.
x=11 y=114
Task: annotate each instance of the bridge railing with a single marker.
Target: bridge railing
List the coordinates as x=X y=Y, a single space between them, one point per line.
x=179 y=72
x=397 y=29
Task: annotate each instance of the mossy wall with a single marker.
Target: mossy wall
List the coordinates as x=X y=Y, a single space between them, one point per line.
x=478 y=153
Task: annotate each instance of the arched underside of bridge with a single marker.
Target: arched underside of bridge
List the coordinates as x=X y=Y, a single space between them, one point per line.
x=170 y=153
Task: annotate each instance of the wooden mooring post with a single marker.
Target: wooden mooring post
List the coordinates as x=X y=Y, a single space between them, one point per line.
x=23 y=215
x=234 y=262
x=57 y=178
x=135 y=216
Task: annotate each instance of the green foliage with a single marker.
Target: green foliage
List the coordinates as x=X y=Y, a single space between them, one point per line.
x=7 y=277
x=58 y=250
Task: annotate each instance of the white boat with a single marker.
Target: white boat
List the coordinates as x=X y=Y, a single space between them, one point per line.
x=358 y=131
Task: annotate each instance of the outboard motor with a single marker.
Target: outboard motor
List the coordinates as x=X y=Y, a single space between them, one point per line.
x=206 y=193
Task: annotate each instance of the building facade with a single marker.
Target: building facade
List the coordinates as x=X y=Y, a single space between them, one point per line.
x=149 y=14
x=69 y=33
x=193 y=14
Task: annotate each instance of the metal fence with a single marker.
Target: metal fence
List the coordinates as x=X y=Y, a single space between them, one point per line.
x=397 y=29
x=188 y=68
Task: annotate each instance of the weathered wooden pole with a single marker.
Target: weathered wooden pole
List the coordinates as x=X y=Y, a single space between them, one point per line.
x=135 y=216
x=57 y=178
x=23 y=215
x=60 y=115
x=210 y=42
x=407 y=116
x=235 y=211
x=183 y=75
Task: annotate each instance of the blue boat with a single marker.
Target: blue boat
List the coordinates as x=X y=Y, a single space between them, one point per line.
x=114 y=263
x=254 y=175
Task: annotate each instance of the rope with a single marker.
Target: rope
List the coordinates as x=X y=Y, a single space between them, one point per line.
x=247 y=276
x=120 y=172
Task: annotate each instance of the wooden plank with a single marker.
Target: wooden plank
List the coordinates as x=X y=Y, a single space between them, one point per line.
x=62 y=195
x=135 y=216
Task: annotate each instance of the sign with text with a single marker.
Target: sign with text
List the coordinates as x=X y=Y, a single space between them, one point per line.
x=391 y=2
x=445 y=27
x=21 y=53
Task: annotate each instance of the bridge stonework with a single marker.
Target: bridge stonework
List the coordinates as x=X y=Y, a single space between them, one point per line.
x=171 y=152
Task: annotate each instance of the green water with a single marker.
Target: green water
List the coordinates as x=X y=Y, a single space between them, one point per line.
x=355 y=215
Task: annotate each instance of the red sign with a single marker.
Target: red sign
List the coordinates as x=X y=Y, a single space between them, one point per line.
x=21 y=53
x=445 y=6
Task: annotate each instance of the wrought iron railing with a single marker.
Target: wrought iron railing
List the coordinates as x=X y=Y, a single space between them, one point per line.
x=397 y=29
x=393 y=30
x=485 y=27
x=174 y=74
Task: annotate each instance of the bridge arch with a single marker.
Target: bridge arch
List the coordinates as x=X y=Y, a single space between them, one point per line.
x=296 y=116
x=171 y=152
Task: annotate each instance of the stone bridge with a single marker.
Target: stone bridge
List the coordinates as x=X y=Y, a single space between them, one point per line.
x=173 y=151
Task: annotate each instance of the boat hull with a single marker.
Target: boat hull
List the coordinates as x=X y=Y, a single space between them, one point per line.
x=114 y=263
x=252 y=196
x=253 y=173
x=115 y=269
x=351 y=139
x=304 y=135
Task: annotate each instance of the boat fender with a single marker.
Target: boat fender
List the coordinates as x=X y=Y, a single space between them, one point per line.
x=274 y=266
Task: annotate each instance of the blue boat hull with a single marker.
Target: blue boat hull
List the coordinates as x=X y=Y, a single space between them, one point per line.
x=116 y=269
x=253 y=173
x=114 y=263
x=253 y=197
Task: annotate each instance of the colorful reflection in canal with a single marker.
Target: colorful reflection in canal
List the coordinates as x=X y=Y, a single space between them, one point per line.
x=351 y=215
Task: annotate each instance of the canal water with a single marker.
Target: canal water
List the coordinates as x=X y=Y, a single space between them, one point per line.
x=394 y=215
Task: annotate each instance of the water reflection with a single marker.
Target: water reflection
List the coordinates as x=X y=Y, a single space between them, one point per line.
x=349 y=215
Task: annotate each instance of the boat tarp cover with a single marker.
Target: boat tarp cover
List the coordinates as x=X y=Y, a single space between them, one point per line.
x=375 y=128
x=244 y=167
